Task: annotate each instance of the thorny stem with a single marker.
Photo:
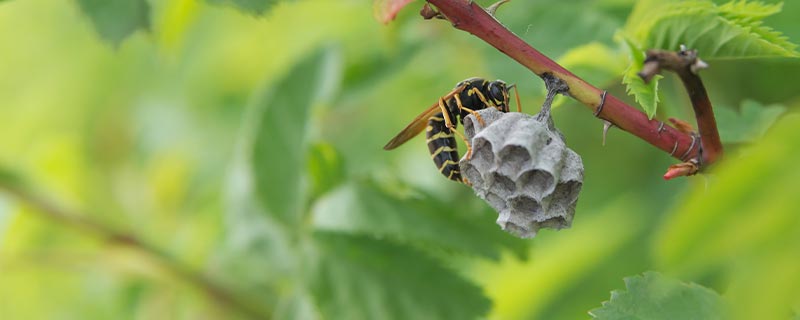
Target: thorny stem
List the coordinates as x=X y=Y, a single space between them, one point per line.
x=470 y=17
x=686 y=65
x=84 y=223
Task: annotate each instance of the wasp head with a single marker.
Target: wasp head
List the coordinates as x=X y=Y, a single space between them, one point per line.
x=498 y=94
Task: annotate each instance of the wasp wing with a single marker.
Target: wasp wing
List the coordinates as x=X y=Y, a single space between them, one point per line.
x=414 y=128
x=420 y=122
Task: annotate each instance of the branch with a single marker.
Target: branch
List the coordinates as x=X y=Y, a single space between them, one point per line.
x=686 y=65
x=85 y=224
x=470 y=17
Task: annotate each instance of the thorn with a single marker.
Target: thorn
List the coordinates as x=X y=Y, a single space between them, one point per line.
x=602 y=103
x=606 y=125
x=698 y=65
x=492 y=9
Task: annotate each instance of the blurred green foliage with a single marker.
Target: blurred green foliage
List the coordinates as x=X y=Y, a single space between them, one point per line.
x=750 y=123
x=251 y=6
x=115 y=20
x=653 y=296
x=243 y=141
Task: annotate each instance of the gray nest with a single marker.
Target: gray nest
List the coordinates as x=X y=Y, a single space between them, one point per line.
x=524 y=170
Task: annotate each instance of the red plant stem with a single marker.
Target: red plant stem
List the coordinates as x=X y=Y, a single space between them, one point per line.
x=703 y=112
x=470 y=17
x=686 y=65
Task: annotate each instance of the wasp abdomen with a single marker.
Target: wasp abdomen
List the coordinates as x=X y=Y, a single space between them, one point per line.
x=443 y=147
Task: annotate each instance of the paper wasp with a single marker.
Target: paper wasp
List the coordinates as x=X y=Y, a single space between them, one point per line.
x=441 y=119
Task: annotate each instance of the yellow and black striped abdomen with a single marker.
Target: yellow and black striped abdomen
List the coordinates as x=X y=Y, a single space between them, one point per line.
x=443 y=147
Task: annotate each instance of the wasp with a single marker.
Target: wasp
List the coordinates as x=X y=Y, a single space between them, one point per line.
x=441 y=119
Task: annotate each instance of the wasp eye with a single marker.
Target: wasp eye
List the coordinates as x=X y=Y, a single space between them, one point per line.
x=496 y=90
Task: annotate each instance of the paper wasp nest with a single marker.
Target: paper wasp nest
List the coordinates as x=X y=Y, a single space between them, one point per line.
x=524 y=170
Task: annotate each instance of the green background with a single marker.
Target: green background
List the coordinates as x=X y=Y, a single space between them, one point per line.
x=246 y=146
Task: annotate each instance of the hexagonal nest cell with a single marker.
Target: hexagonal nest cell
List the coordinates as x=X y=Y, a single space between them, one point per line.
x=524 y=170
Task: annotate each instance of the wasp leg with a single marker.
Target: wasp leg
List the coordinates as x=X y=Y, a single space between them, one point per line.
x=466 y=143
x=462 y=107
x=474 y=113
x=465 y=181
x=516 y=93
x=480 y=96
x=452 y=128
x=446 y=115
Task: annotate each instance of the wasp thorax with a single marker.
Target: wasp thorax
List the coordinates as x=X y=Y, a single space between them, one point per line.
x=524 y=170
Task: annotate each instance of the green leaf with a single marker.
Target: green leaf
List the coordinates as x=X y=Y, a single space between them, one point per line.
x=115 y=20
x=654 y=297
x=279 y=150
x=363 y=208
x=264 y=191
x=325 y=168
x=748 y=125
x=297 y=305
x=646 y=94
x=754 y=10
x=551 y=25
x=255 y=7
x=751 y=203
x=596 y=62
x=6 y=215
x=9 y=178
x=744 y=225
x=361 y=277
x=732 y=30
x=766 y=285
